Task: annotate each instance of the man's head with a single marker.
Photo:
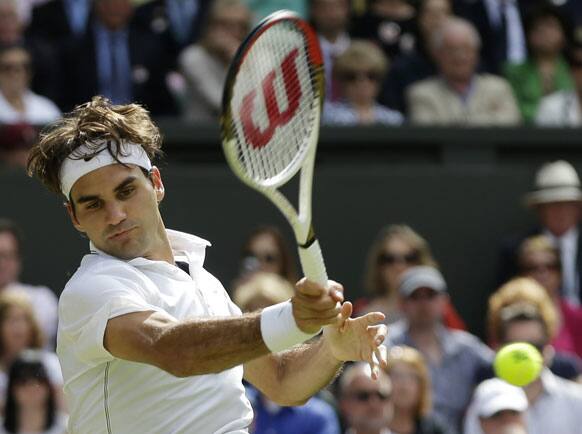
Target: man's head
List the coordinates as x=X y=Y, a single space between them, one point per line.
x=15 y=70
x=455 y=46
x=500 y=407
x=10 y=253
x=556 y=197
x=98 y=157
x=423 y=295
x=365 y=403
x=114 y=14
x=330 y=17
x=11 y=25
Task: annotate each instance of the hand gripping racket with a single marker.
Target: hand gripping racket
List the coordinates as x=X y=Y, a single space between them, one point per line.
x=271 y=108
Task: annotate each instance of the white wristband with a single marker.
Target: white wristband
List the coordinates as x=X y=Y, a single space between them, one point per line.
x=279 y=329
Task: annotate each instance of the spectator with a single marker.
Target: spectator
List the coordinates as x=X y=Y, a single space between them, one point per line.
x=539 y=259
x=555 y=198
x=418 y=64
x=58 y=21
x=545 y=70
x=17 y=102
x=389 y=23
x=19 y=331
x=31 y=399
x=366 y=404
x=43 y=300
x=454 y=357
x=497 y=408
x=459 y=95
x=563 y=108
x=524 y=303
x=396 y=249
x=205 y=64
x=331 y=19
x=411 y=394
x=118 y=61
x=359 y=71
x=316 y=416
x=266 y=250
x=554 y=403
x=15 y=143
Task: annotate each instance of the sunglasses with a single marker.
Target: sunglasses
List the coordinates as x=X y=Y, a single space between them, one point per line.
x=531 y=268
x=390 y=259
x=365 y=395
x=353 y=76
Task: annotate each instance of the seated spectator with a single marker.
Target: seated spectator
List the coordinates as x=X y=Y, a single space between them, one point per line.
x=359 y=70
x=545 y=70
x=459 y=95
x=539 y=259
x=118 y=61
x=497 y=407
x=205 y=64
x=396 y=249
x=366 y=404
x=331 y=19
x=564 y=108
x=15 y=143
x=417 y=64
x=411 y=394
x=523 y=303
x=316 y=416
x=43 y=300
x=19 y=331
x=454 y=357
x=31 y=400
x=554 y=402
x=17 y=102
x=388 y=23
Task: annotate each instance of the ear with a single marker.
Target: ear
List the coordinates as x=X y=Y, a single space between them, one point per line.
x=158 y=184
x=73 y=218
x=548 y=354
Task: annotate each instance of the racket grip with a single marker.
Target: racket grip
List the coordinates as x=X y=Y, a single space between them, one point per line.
x=312 y=263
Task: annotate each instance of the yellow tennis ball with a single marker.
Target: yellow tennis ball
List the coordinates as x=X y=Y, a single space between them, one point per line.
x=518 y=364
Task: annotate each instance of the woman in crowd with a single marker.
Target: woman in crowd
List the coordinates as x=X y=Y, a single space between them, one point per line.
x=17 y=102
x=395 y=250
x=359 y=71
x=411 y=394
x=31 y=402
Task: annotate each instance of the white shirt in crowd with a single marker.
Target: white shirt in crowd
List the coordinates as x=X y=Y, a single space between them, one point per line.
x=568 y=245
x=110 y=395
x=38 y=110
x=560 y=109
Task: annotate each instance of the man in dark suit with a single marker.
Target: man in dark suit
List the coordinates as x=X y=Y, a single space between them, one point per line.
x=59 y=20
x=118 y=61
x=557 y=201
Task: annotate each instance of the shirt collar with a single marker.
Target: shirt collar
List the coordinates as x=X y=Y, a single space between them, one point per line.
x=570 y=236
x=549 y=382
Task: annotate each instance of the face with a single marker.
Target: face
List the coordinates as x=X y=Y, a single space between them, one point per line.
x=10 y=24
x=117 y=208
x=546 y=37
x=544 y=267
x=559 y=217
x=330 y=16
x=114 y=14
x=31 y=392
x=14 y=71
x=504 y=422
x=530 y=331
x=16 y=331
x=264 y=248
x=361 y=85
x=405 y=386
x=235 y=21
x=396 y=257
x=366 y=404
x=433 y=14
x=10 y=264
x=458 y=55
x=424 y=308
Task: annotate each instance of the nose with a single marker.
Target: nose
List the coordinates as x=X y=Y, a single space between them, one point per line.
x=115 y=213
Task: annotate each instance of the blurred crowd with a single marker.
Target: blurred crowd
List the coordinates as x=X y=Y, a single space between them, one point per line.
x=444 y=62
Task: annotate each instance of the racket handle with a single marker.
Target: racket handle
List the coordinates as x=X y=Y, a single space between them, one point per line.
x=312 y=263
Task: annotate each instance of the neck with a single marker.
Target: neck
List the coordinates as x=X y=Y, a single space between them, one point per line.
x=164 y=250
x=534 y=390
x=331 y=35
x=15 y=99
x=32 y=419
x=460 y=86
x=403 y=421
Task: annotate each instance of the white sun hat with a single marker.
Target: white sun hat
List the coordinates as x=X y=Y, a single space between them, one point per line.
x=555 y=182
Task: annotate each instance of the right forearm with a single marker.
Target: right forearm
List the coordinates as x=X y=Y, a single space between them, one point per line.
x=210 y=345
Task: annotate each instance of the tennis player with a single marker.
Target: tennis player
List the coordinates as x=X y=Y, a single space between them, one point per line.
x=148 y=340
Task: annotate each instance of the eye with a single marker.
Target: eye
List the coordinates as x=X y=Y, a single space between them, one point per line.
x=126 y=192
x=92 y=205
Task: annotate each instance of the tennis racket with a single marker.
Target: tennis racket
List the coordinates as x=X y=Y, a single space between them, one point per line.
x=271 y=108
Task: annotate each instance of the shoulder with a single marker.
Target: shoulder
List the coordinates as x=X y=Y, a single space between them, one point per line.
x=427 y=88
x=319 y=410
x=492 y=82
x=387 y=116
x=471 y=344
x=339 y=114
x=194 y=53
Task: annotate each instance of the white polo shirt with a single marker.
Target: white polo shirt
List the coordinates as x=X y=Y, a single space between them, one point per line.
x=109 y=395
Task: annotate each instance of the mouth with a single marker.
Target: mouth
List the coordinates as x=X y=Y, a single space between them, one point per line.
x=120 y=234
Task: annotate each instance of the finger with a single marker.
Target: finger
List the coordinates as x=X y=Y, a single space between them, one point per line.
x=373 y=317
x=378 y=333
x=374 y=366
x=382 y=356
x=310 y=288
x=320 y=304
x=336 y=291
x=346 y=313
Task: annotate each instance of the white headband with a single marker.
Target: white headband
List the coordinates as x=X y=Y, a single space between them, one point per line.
x=77 y=164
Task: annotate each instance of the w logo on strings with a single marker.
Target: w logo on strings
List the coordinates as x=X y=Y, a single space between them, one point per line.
x=257 y=138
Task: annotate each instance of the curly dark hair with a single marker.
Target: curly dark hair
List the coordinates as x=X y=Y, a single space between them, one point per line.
x=88 y=124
